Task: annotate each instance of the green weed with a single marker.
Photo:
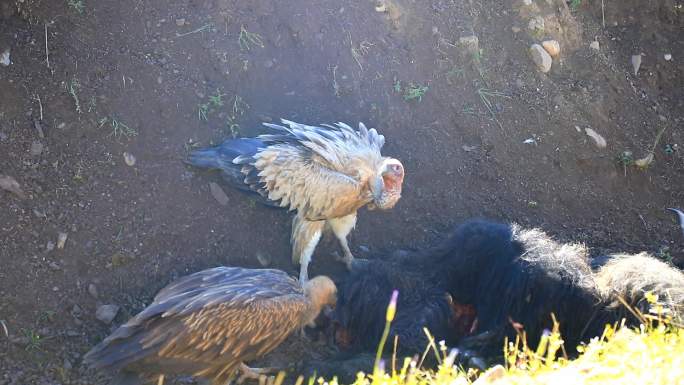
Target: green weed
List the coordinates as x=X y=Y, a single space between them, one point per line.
x=33 y=340
x=77 y=5
x=415 y=91
x=73 y=87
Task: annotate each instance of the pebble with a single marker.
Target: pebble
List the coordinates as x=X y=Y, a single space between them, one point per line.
x=536 y=24
x=92 y=290
x=106 y=313
x=471 y=43
x=594 y=45
x=668 y=56
x=541 y=58
x=218 y=194
x=180 y=22
x=5 y=57
x=61 y=240
x=552 y=47
x=527 y=2
x=36 y=148
x=129 y=159
x=599 y=140
x=3 y=137
x=636 y=63
x=515 y=29
x=160 y=80
x=50 y=246
x=61 y=125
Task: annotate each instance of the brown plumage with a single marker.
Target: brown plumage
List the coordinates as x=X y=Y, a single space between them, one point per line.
x=210 y=323
x=324 y=173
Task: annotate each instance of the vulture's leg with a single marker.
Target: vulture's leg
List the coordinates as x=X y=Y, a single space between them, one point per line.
x=341 y=227
x=305 y=237
x=160 y=380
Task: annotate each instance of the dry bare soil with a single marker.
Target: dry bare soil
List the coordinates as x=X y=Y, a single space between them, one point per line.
x=489 y=136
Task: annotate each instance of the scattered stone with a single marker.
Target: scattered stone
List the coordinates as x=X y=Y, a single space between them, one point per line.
x=3 y=137
x=536 y=24
x=527 y=2
x=552 y=47
x=594 y=45
x=668 y=56
x=72 y=333
x=263 y=259
x=180 y=22
x=160 y=80
x=515 y=29
x=268 y=63
x=36 y=148
x=470 y=44
x=50 y=246
x=106 y=313
x=61 y=240
x=467 y=148
x=5 y=57
x=92 y=290
x=530 y=141
x=636 y=63
x=218 y=194
x=599 y=140
x=129 y=159
x=10 y=184
x=61 y=125
x=54 y=266
x=541 y=58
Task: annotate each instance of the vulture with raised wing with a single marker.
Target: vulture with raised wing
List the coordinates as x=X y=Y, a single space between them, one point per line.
x=324 y=173
x=209 y=324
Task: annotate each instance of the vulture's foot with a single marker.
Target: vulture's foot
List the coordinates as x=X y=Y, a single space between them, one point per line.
x=258 y=374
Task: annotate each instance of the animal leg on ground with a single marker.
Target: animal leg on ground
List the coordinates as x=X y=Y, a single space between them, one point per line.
x=305 y=237
x=341 y=227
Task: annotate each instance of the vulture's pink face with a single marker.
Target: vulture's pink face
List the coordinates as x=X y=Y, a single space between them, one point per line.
x=392 y=175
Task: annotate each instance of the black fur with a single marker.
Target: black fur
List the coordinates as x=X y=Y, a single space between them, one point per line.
x=512 y=277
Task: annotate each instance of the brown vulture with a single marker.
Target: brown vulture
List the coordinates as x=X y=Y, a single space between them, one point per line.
x=210 y=323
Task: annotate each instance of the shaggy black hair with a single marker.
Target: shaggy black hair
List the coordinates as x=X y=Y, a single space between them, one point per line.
x=513 y=277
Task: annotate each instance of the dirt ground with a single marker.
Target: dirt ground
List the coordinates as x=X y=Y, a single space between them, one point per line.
x=489 y=136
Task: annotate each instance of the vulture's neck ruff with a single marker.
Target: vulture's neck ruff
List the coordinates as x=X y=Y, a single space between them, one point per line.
x=392 y=176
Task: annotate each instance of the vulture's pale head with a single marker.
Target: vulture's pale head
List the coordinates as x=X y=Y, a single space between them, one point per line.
x=386 y=188
x=321 y=291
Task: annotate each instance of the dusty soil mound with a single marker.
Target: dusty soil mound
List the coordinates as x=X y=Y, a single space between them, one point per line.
x=450 y=83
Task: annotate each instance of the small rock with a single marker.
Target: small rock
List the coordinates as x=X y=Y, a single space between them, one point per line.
x=636 y=63
x=10 y=184
x=263 y=259
x=541 y=58
x=364 y=249
x=515 y=29
x=72 y=333
x=106 y=313
x=36 y=148
x=552 y=47
x=470 y=43
x=180 y=22
x=5 y=57
x=160 y=80
x=268 y=63
x=594 y=45
x=50 y=246
x=527 y=2
x=61 y=125
x=218 y=194
x=599 y=140
x=54 y=266
x=129 y=159
x=536 y=24
x=3 y=137
x=467 y=148
x=61 y=240
x=92 y=290
x=667 y=56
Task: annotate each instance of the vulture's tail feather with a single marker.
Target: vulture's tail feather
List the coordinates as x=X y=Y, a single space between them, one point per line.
x=231 y=157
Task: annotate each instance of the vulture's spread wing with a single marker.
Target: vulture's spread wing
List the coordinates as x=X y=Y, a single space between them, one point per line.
x=321 y=172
